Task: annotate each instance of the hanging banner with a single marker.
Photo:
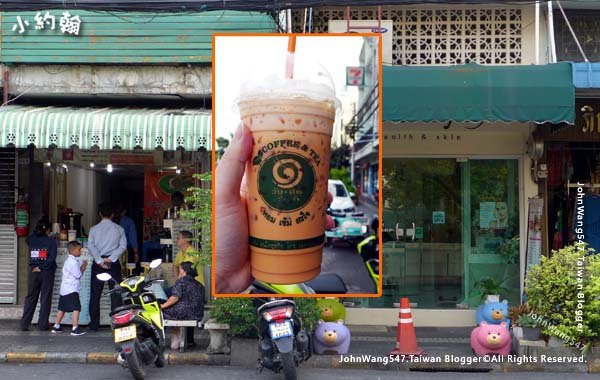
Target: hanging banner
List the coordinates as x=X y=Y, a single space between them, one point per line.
x=534 y=232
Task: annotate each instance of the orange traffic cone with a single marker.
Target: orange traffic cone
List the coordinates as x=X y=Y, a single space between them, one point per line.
x=406 y=340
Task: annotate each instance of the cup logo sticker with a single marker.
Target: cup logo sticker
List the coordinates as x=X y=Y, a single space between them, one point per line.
x=286 y=181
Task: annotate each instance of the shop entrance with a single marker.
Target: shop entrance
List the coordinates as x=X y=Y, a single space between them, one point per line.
x=452 y=230
x=573 y=168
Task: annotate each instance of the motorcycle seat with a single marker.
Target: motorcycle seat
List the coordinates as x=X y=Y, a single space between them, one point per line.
x=328 y=283
x=125 y=307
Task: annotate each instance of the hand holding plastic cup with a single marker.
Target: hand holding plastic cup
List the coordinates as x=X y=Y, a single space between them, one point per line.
x=291 y=121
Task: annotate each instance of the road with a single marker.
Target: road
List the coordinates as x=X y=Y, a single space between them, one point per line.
x=114 y=372
x=344 y=260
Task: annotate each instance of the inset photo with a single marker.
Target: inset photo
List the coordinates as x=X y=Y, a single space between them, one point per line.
x=297 y=137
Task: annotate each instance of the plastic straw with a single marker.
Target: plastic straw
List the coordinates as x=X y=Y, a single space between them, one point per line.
x=289 y=64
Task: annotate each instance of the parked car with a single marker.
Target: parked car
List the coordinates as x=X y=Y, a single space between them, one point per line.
x=342 y=199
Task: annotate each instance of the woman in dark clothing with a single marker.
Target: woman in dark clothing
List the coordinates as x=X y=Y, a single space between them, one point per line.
x=186 y=301
x=42 y=264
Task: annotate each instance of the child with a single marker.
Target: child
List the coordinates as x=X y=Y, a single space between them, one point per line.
x=69 y=289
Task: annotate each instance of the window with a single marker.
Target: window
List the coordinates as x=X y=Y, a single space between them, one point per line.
x=451 y=231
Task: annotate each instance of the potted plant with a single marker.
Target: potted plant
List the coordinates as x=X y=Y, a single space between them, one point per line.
x=555 y=287
x=491 y=289
x=530 y=326
x=514 y=313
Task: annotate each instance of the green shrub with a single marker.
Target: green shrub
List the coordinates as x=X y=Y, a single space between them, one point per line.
x=552 y=293
x=343 y=175
x=200 y=200
x=241 y=315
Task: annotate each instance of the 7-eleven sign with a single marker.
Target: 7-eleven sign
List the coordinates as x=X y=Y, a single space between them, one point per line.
x=355 y=76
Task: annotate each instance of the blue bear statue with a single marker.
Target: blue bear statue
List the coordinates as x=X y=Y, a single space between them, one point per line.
x=494 y=313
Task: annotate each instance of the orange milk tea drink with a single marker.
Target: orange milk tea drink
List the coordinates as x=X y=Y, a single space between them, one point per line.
x=291 y=123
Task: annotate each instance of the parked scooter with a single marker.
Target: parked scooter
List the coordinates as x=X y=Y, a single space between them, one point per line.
x=282 y=343
x=368 y=249
x=138 y=324
x=325 y=283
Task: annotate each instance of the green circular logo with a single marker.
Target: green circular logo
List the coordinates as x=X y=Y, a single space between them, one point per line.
x=286 y=181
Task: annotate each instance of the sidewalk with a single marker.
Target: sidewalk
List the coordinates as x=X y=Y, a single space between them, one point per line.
x=370 y=346
x=36 y=346
x=97 y=347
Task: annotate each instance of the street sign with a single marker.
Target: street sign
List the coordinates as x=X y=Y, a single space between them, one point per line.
x=355 y=76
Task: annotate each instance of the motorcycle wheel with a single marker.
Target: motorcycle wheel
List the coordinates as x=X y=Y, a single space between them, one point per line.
x=289 y=367
x=160 y=359
x=135 y=366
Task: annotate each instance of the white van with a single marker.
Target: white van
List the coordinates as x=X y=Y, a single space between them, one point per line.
x=342 y=201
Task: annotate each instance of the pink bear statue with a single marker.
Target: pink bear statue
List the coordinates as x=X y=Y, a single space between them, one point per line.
x=332 y=338
x=490 y=339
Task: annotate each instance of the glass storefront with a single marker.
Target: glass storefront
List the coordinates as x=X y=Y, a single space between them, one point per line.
x=451 y=231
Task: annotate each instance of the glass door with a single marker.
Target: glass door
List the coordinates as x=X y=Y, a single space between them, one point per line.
x=451 y=231
x=423 y=218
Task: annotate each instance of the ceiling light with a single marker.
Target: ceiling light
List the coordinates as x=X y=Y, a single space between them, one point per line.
x=92 y=164
x=109 y=168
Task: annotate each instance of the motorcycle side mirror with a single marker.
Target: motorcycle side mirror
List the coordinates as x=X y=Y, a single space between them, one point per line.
x=155 y=263
x=103 y=277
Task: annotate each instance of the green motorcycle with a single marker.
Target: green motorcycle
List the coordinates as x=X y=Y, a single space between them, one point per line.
x=138 y=324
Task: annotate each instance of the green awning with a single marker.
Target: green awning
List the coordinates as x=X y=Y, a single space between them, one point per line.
x=477 y=93
x=105 y=128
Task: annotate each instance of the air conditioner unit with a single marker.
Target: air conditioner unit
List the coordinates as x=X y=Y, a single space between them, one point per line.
x=368 y=26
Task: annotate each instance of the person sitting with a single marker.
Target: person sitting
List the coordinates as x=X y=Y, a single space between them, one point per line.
x=186 y=301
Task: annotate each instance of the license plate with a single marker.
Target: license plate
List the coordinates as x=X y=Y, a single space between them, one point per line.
x=280 y=330
x=125 y=333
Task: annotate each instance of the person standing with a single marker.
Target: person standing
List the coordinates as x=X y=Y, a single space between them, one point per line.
x=69 y=289
x=106 y=244
x=42 y=265
x=122 y=219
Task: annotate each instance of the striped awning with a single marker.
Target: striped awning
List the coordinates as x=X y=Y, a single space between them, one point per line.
x=105 y=128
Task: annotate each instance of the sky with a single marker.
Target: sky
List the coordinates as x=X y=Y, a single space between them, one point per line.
x=241 y=58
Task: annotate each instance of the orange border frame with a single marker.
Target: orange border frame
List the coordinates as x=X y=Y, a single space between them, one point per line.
x=380 y=158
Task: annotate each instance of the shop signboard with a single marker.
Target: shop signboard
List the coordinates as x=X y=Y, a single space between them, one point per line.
x=142 y=158
x=586 y=128
x=589 y=120
x=355 y=76
x=67 y=23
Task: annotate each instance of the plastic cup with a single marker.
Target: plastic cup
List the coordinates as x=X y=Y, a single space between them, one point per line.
x=291 y=122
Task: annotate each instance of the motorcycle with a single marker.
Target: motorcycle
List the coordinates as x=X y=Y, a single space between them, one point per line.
x=137 y=325
x=350 y=227
x=368 y=249
x=325 y=283
x=282 y=344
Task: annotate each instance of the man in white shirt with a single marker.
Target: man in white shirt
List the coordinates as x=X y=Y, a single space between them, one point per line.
x=106 y=244
x=69 y=289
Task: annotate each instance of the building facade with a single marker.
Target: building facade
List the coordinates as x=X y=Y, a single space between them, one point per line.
x=85 y=90
x=456 y=173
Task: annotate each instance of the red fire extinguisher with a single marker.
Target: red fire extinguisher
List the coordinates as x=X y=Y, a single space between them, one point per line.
x=21 y=217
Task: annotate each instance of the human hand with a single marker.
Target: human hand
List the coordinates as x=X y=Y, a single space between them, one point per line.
x=329 y=223
x=107 y=260
x=136 y=255
x=105 y=266
x=84 y=266
x=233 y=272
x=36 y=269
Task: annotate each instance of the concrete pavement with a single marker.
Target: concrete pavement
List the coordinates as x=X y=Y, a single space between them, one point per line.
x=184 y=372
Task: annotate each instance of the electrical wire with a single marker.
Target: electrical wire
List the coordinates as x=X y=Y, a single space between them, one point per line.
x=211 y=5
